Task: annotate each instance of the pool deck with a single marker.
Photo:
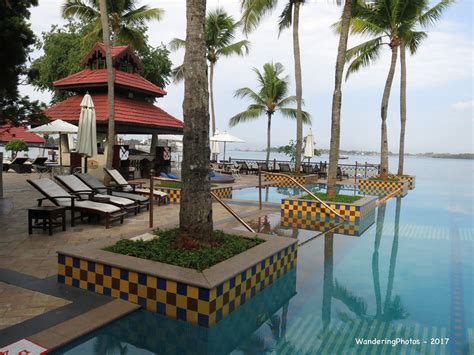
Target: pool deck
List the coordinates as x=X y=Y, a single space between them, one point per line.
x=31 y=301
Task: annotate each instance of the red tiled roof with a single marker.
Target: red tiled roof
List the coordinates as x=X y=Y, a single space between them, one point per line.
x=8 y=132
x=116 y=51
x=127 y=111
x=99 y=77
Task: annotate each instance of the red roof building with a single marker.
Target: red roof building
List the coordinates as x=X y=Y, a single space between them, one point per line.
x=135 y=112
x=8 y=133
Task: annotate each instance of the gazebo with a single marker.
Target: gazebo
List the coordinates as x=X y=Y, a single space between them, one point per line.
x=135 y=112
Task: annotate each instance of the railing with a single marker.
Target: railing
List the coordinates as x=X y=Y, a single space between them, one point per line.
x=300 y=185
x=388 y=197
x=353 y=171
x=217 y=198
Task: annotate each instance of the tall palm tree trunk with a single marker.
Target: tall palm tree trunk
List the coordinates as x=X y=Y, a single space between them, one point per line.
x=384 y=111
x=403 y=107
x=195 y=223
x=299 y=86
x=328 y=283
x=337 y=99
x=211 y=94
x=375 y=260
x=269 y=129
x=110 y=84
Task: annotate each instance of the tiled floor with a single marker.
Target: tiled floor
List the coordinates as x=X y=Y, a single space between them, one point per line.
x=18 y=304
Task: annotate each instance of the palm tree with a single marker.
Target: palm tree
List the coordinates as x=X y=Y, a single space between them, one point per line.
x=383 y=20
x=126 y=20
x=270 y=99
x=195 y=223
x=412 y=39
x=219 y=31
x=337 y=99
x=110 y=84
x=253 y=11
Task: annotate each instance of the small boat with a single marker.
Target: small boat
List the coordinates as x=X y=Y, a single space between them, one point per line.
x=343 y=157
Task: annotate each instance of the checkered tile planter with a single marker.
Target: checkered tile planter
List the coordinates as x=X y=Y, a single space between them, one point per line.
x=411 y=181
x=184 y=301
x=175 y=193
x=284 y=181
x=381 y=187
x=314 y=210
x=350 y=228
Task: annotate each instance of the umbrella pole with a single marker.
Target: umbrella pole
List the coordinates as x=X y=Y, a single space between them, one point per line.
x=224 y=149
x=85 y=164
x=60 y=155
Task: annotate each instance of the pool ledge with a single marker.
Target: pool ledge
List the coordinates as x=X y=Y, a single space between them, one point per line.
x=65 y=332
x=202 y=298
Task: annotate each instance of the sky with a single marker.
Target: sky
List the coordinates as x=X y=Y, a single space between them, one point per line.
x=440 y=99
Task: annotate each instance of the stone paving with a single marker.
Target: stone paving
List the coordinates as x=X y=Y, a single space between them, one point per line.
x=18 y=304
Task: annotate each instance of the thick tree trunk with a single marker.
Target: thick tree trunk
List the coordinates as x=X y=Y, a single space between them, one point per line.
x=269 y=134
x=393 y=259
x=337 y=99
x=375 y=259
x=299 y=86
x=110 y=84
x=403 y=108
x=196 y=205
x=211 y=94
x=383 y=112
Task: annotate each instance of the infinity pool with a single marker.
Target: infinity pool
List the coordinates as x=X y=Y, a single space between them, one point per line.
x=408 y=276
x=275 y=194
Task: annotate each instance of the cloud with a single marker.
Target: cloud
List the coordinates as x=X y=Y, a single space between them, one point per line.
x=463 y=105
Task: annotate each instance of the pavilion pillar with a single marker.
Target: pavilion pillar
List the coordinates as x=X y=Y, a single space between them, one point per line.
x=154 y=143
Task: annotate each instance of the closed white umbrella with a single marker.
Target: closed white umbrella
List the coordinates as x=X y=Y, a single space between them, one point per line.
x=56 y=127
x=309 y=145
x=226 y=137
x=87 y=135
x=215 y=149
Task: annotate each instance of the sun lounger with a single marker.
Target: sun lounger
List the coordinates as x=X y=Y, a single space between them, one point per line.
x=60 y=197
x=127 y=186
x=20 y=165
x=39 y=164
x=284 y=167
x=99 y=187
x=77 y=187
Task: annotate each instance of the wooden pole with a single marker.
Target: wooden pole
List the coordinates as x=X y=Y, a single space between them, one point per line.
x=259 y=188
x=152 y=174
x=355 y=174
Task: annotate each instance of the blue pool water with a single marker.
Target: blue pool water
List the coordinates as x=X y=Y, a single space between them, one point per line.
x=275 y=194
x=409 y=276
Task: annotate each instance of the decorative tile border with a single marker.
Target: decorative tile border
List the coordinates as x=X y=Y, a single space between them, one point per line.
x=411 y=181
x=175 y=193
x=349 y=228
x=381 y=187
x=314 y=210
x=201 y=304
x=284 y=181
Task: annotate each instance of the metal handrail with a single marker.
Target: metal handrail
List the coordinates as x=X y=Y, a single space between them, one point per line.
x=387 y=197
x=232 y=212
x=306 y=190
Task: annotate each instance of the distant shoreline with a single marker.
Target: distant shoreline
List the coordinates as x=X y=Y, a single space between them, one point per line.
x=468 y=156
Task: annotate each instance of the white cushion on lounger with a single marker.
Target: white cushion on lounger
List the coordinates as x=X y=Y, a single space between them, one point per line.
x=130 y=196
x=52 y=189
x=155 y=192
x=98 y=206
x=119 y=179
x=118 y=200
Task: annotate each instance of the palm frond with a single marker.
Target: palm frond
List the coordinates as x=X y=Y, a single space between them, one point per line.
x=77 y=8
x=291 y=113
x=238 y=48
x=433 y=15
x=355 y=303
x=248 y=115
x=243 y=93
x=288 y=100
x=131 y=36
x=286 y=17
x=413 y=40
x=177 y=74
x=364 y=54
x=253 y=11
x=177 y=44
x=142 y=14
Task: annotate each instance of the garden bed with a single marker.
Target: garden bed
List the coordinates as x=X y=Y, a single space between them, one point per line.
x=202 y=298
x=314 y=210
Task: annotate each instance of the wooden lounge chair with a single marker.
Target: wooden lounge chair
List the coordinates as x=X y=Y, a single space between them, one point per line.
x=39 y=165
x=99 y=187
x=127 y=186
x=244 y=168
x=60 y=197
x=77 y=187
x=263 y=166
x=20 y=165
x=307 y=168
x=284 y=167
x=341 y=174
